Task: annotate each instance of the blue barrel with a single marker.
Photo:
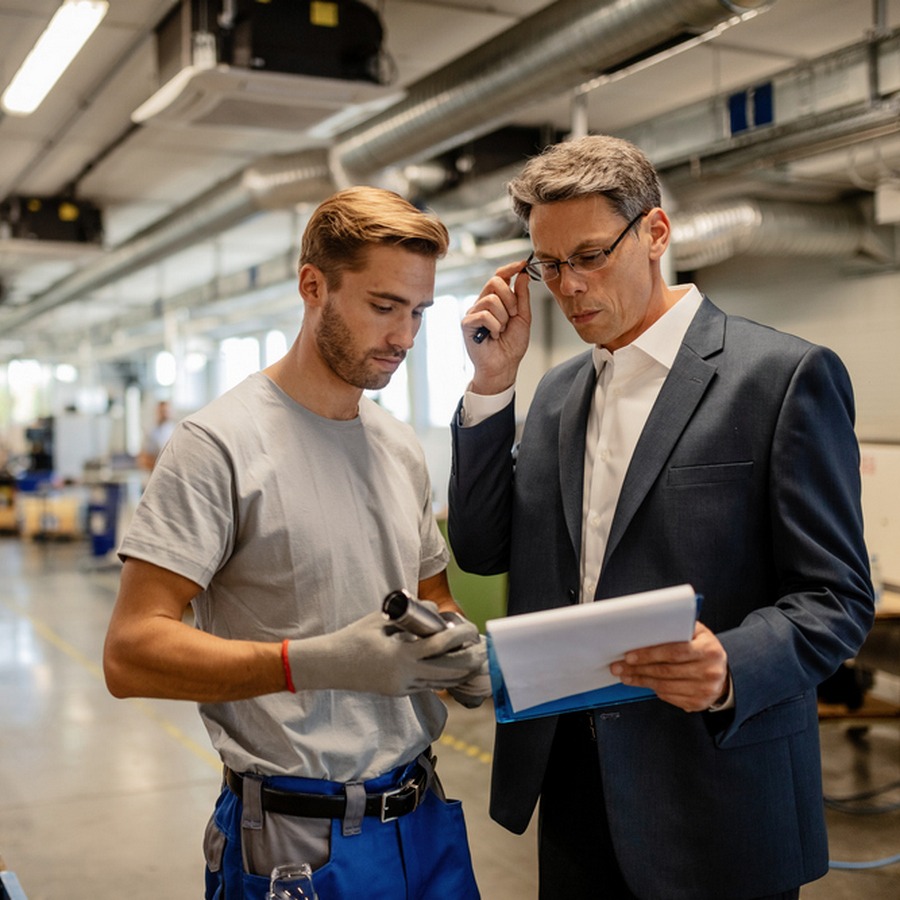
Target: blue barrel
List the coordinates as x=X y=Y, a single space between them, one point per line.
x=103 y=517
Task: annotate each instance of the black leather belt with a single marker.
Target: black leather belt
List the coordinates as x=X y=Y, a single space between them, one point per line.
x=387 y=806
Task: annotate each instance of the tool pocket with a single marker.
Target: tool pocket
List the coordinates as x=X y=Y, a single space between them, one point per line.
x=285 y=839
x=214 y=852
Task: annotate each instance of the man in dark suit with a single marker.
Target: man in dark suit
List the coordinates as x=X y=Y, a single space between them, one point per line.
x=686 y=446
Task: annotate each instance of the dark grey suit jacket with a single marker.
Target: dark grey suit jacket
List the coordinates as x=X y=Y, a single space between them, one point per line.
x=745 y=484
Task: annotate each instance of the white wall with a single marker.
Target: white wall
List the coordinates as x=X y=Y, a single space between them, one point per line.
x=881 y=508
x=858 y=317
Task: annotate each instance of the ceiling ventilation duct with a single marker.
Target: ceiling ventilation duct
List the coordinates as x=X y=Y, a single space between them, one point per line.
x=283 y=65
x=710 y=235
x=558 y=48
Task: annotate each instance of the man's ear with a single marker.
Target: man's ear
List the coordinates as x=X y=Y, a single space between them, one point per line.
x=312 y=286
x=660 y=232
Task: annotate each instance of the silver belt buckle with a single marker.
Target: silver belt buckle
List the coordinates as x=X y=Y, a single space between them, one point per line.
x=404 y=788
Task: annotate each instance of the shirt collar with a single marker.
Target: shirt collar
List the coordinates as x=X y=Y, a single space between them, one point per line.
x=663 y=338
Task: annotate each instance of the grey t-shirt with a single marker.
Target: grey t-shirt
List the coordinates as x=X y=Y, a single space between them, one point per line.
x=296 y=525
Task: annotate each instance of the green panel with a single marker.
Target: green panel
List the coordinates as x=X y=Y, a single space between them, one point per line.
x=481 y=597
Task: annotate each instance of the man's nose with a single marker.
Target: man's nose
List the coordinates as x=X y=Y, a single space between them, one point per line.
x=569 y=281
x=404 y=334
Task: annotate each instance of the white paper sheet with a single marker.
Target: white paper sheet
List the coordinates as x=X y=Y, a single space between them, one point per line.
x=555 y=653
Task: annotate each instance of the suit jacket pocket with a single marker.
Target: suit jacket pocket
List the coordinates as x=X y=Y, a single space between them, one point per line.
x=778 y=721
x=716 y=473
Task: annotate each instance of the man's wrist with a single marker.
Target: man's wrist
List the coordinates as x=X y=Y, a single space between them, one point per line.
x=489 y=387
x=726 y=700
x=286 y=665
x=478 y=407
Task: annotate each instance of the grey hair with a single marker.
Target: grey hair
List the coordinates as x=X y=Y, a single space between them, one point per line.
x=596 y=164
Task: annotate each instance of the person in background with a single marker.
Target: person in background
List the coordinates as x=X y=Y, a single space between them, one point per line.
x=685 y=446
x=157 y=436
x=284 y=513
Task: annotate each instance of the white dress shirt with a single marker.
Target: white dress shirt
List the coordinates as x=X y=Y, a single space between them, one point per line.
x=628 y=383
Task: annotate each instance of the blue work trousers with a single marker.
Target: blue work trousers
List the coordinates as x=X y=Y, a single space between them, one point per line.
x=423 y=855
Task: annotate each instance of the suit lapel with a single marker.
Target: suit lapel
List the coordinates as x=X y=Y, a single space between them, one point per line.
x=572 y=430
x=682 y=390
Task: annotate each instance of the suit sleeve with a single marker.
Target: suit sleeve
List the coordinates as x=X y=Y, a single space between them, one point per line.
x=481 y=491
x=825 y=603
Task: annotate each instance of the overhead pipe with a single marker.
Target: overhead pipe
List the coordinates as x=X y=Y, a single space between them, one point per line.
x=548 y=53
x=704 y=237
x=553 y=50
x=830 y=131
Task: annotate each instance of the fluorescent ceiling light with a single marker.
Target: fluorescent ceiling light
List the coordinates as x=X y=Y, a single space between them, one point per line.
x=72 y=24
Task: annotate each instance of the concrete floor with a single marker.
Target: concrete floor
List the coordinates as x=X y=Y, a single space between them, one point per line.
x=101 y=798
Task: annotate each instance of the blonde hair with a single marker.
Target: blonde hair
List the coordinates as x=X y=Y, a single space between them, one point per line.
x=596 y=164
x=348 y=223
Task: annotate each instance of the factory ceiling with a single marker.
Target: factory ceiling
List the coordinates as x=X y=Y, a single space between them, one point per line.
x=162 y=186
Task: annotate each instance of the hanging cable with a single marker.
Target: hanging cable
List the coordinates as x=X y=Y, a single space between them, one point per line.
x=873 y=864
x=847 y=804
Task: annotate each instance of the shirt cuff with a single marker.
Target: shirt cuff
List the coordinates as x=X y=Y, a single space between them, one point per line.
x=478 y=407
x=727 y=699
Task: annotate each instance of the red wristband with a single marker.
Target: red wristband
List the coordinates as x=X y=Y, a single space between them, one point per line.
x=288 y=680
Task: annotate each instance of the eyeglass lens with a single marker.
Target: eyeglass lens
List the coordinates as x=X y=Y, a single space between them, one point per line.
x=586 y=261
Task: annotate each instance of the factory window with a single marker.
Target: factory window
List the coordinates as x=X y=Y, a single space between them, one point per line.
x=238 y=358
x=275 y=347
x=28 y=384
x=66 y=373
x=165 y=368
x=191 y=389
x=449 y=367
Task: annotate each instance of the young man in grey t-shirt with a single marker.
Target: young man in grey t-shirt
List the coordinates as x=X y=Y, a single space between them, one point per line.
x=283 y=513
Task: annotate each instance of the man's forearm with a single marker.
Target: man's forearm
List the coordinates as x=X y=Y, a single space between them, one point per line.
x=169 y=659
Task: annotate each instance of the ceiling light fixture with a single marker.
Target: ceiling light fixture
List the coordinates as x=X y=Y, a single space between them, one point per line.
x=72 y=24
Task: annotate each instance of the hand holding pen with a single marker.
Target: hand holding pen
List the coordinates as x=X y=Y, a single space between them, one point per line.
x=499 y=302
x=497 y=327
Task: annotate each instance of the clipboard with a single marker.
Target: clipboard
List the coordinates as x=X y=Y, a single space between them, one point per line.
x=530 y=643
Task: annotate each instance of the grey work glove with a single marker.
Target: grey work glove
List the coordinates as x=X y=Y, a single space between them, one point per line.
x=473 y=691
x=363 y=656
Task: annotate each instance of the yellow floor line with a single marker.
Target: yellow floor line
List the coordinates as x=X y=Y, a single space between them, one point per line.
x=208 y=756
x=447 y=740
x=60 y=643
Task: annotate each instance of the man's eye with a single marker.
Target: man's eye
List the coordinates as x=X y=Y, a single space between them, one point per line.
x=589 y=256
x=383 y=309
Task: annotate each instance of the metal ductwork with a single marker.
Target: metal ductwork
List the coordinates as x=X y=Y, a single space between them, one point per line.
x=557 y=48
x=717 y=232
x=548 y=53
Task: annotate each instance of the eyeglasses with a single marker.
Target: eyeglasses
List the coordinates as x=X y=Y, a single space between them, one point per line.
x=579 y=263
